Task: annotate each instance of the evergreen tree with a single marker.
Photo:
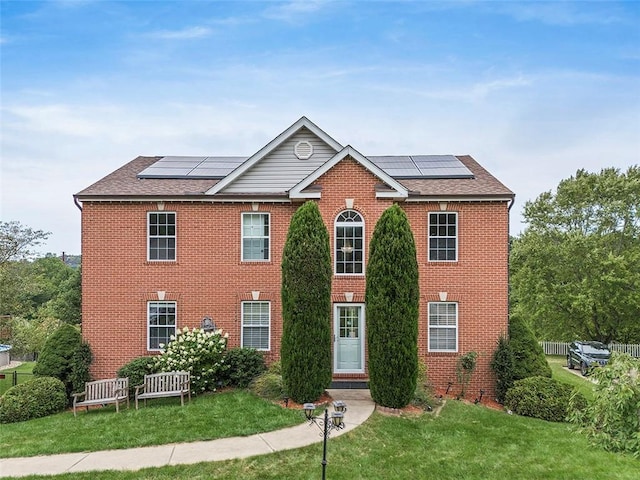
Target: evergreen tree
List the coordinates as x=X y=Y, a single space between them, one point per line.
x=528 y=354
x=306 y=306
x=66 y=357
x=392 y=298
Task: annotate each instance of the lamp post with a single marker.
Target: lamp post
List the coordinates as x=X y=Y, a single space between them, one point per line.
x=326 y=424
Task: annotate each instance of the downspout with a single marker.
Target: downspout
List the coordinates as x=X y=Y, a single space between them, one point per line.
x=77 y=202
x=513 y=200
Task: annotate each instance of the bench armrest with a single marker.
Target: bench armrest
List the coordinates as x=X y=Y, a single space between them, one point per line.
x=140 y=387
x=119 y=391
x=78 y=395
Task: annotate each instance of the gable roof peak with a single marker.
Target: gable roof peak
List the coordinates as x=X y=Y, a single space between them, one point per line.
x=302 y=122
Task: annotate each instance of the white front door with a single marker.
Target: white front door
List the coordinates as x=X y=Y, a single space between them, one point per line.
x=348 y=338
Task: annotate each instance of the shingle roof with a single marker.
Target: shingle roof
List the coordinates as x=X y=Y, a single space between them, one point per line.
x=123 y=183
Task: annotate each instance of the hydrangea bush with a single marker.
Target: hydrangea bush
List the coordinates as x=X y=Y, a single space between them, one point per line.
x=198 y=352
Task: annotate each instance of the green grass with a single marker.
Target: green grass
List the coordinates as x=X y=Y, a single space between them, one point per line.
x=25 y=368
x=466 y=442
x=561 y=373
x=206 y=417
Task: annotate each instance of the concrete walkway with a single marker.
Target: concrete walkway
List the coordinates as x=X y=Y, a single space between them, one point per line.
x=359 y=408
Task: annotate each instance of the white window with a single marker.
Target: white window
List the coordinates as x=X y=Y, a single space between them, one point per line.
x=161 y=323
x=349 y=243
x=443 y=237
x=256 y=325
x=161 y=227
x=443 y=327
x=255 y=236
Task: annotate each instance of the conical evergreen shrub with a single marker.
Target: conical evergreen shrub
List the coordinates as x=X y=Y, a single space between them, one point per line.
x=306 y=306
x=392 y=298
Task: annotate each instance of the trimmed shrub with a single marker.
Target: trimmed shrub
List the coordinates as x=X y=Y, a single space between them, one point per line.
x=542 y=397
x=306 y=306
x=198 y=352
x=529 y=359
x=392 y=296
x=135 y=371
x=65 y=357
x=269 y=384
x=80 y=362
x=503 y=365
x=34 y=398
x=244 y=364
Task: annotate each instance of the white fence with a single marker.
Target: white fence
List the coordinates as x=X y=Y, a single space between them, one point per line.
x=561 y=348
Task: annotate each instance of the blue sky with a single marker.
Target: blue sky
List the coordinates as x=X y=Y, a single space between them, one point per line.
x=532 y=90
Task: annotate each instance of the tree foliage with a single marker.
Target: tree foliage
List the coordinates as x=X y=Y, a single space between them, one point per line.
x=612 y=418
x=306 y=306
x=42 y=288
x=17 y=240
x=576 y=269
x=392 y=296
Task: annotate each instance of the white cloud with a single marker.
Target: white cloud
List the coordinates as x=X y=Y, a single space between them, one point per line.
x=295 y=10
x=188 y=33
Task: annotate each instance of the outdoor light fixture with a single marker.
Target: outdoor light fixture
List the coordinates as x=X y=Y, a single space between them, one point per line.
x=326 y=424
x=346 y=248
x=207 y=324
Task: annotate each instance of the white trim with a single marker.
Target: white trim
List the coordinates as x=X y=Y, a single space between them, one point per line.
x=175 y=326
x=336 y=336
x=242 y=304
x=242 y=259
x=175 y=237
x=457 y=327
x=271 y=146
x=399 y=191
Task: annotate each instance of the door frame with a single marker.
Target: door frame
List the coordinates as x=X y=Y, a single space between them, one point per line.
x=336 y=336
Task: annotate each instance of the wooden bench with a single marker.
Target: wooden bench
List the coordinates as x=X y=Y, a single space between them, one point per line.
x=165 y=384
x=103 y=392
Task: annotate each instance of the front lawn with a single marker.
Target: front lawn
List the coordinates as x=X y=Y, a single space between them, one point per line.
x=206 y=417
x=561 y=373
x=466 y=441
x=24 y=373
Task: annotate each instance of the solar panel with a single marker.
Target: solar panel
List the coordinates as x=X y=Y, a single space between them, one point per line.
x=397 y=166
x=441 y=166
x=192 y=167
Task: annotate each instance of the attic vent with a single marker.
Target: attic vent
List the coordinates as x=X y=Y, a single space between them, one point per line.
x=303 y=150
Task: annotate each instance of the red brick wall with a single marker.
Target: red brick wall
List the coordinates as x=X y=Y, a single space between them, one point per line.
x=208 y=277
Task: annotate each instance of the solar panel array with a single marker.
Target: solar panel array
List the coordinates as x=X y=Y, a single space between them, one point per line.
x=192 y=167
x=397 y=166
x=422 y=166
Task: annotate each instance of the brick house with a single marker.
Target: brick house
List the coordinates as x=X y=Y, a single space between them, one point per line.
x=169 y=241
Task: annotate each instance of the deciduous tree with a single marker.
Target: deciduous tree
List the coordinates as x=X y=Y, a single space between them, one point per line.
x=576 y=268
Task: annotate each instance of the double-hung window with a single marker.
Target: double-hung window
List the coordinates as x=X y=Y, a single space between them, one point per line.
x=256 y=325
x=443 y=237
x=443 y=327
x=255 y=236
x=161 y=227
x=161 y=323
x=349 y=243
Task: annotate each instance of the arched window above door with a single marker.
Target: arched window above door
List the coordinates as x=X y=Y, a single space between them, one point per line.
x=349 y=243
